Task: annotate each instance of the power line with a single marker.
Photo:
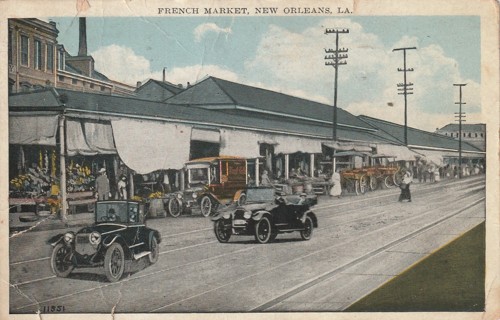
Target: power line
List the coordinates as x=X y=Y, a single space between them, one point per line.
x=460 y=115
x=335 y=58
x=405 y=88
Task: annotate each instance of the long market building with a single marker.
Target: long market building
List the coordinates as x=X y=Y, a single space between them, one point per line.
x=68 y=136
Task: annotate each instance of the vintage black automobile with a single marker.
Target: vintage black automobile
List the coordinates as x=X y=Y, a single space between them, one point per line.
x=265 y=215
x=119 y=234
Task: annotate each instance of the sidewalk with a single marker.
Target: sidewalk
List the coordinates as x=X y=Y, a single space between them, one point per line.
x=20 y=221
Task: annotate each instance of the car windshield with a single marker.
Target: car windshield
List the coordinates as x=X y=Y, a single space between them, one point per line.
x=260 y=195
x=122 y=212
x=198 y=176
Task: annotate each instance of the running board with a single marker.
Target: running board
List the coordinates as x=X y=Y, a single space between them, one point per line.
x=140 y=255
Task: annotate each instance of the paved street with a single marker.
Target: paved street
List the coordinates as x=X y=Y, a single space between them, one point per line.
x=361 y=242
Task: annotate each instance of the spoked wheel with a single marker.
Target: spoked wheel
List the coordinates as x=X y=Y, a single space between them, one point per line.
x=114 y=262
x=363 y=184
x=306 y=234
x=222 y=233
x=373 y=183
x=263 y=230
x=206 y=206
x=174 y=207
x=155 y=250
x=397 y=178
x=60 y=260
x=388 y=181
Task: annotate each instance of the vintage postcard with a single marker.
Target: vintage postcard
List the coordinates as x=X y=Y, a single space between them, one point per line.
x=220 y=159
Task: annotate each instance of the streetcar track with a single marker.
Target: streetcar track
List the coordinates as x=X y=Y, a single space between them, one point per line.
x=327 y=275
x=314 y=253
x=317 y=208
x=201 y=261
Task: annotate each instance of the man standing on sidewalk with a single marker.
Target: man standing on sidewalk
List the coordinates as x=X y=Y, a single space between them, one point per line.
x=102 y=185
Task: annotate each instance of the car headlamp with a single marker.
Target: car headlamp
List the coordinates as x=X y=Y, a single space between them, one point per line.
x=195 y=195
x=179 y=196
x=95 y=238
x=68 y=237
x=247 y=214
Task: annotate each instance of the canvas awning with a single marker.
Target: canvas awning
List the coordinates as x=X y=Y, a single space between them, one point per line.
x=89 y=138
x=291 y=144
x=205 y=135
x=33 y=129
x=398 y=152
x=240 y=143
x=347 y=146
x=147 y=146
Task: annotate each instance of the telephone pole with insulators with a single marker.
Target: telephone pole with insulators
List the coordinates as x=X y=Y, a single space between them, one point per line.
x=460 y=118
x=335 y=58
x=405 y=88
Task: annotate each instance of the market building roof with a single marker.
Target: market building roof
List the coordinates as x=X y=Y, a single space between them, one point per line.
x=417 y=138
x=155 y=90
x=469 y=127
x=102 y=105
x=232 y=97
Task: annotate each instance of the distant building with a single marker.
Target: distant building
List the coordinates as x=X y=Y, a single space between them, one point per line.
x=37 y=61
x=474 y=134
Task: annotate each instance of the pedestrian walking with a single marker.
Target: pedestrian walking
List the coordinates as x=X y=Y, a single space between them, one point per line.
x=335 y=180
x=405 y=187
x=102 y=185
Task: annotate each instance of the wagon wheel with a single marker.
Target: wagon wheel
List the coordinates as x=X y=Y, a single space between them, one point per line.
x=361 y=184
x=388 y=181
x=397 y=178
x=373 y=183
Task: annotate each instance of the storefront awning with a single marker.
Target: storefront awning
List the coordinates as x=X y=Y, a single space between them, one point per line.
x=347 y=146
x=205 y=135
x=431 y=156
x=34 y=130
x=240 y=143
x=290 y=144
x=397 y=152
x=89 y=138
x=147 y=146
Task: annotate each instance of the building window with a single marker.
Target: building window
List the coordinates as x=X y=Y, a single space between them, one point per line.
x=482 y=135
x=24 y=51
x=38 y=55
x=61 y=78
x=50 y=57
x=103 y=88
x=60 y=60
x=446 y=133
x=475 y=134
x=74 y=81
x=91 y=86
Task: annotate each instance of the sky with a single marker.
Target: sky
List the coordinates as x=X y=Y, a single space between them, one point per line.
x=286 y=54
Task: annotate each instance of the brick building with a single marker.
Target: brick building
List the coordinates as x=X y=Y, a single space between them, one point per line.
x=474 y=134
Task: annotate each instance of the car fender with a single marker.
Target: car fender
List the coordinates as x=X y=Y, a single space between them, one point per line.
x=313 y=217
x=210 y=195
x=259 y=214
x=118 y=239
x=109 y=240
x=154 y=233
x=237 y=195
x=53 y=241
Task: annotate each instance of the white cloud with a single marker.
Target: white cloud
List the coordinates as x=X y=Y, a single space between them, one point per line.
x=202 y=29
x=123 y=64
x=295 y=63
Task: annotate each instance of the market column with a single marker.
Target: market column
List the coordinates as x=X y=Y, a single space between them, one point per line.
x=257 y=177
x=311 y=159
x=287 y=166
x=62 y=157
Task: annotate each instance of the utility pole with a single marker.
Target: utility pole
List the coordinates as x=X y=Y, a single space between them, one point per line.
x=405 y=87
x=460 y=115
x=334 y=58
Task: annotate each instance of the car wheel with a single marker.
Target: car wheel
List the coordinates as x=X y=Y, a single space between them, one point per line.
x=174 y=207
x=242 y=199
x=206 y=206
x=263 y=230
x=221 y=232
x=114 y=262
x=60 y=261
x=306 y=234
x=155 y=250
